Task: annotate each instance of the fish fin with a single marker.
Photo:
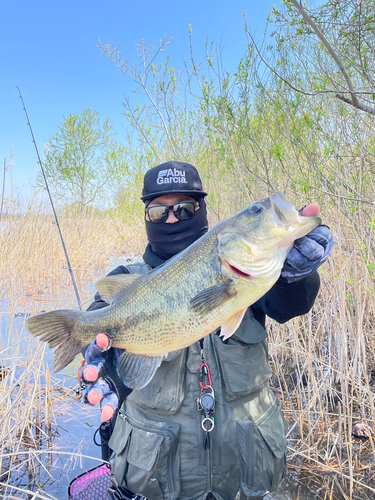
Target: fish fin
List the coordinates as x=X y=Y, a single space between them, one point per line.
x=212 y=297
x=231 y=325
x=110 y=286
x=137 y=370
x=57 y=328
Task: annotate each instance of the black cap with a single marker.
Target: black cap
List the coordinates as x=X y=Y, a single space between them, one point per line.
x=172 y=177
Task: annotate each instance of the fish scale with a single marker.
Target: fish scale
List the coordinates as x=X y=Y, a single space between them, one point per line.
x=207 y=286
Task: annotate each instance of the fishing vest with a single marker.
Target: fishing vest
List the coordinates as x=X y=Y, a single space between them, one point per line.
x=160 y=447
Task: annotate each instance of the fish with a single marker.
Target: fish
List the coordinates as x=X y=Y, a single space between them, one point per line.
x=207 y=286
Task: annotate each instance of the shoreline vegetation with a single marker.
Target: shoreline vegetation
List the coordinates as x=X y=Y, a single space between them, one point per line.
x=42 y=425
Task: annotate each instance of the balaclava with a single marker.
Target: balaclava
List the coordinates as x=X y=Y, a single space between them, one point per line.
x=167 y=240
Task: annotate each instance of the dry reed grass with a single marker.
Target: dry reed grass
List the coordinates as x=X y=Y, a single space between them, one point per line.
x=324 y=373
x=32 y=261
x=34 y=277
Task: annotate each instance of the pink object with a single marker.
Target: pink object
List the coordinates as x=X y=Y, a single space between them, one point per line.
x=107 y=413
x=90 y=374
x=102 y=341
x=94 y=397
x=93 y=484
x=309 y=211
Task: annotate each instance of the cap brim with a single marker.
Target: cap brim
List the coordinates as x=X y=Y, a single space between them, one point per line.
x=162 y=193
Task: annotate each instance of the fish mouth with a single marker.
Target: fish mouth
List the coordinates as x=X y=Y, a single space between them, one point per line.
x=236 y=271
x=287 y=217
x=284 y=212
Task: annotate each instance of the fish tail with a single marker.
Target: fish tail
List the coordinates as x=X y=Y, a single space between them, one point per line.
x=58 y=328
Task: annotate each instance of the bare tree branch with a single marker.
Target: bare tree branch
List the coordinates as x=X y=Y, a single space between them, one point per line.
x=362 y=107
x=354 y=99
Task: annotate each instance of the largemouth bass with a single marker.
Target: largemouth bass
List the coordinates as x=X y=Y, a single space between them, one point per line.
x=209 y=285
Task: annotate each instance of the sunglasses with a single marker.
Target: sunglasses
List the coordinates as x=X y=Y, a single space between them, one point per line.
x=183 y=211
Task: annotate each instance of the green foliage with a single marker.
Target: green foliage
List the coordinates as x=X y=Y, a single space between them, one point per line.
x=272 y=122
x=334 y=48
x=83 y=160
x=369 y=263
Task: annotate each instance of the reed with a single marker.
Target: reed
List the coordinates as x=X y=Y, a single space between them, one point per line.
x=32 y=260
x=34 y=277
x=324 y=375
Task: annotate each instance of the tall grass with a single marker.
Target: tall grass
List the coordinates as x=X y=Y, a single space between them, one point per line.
x=324 y=374
x=34 y=277
x=32 y=260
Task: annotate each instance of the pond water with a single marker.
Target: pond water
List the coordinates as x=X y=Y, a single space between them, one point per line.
x=66 y=449
x=47 y=458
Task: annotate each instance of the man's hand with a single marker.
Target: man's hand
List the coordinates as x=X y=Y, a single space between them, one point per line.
x=310 y=252
x=98 y=389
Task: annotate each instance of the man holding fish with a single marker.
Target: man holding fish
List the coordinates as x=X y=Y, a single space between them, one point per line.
x=189 y=363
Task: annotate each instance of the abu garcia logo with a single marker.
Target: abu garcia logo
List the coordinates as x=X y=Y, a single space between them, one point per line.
x=170 y=176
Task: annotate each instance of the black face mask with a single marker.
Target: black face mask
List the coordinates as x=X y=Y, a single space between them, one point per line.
x=167 y=240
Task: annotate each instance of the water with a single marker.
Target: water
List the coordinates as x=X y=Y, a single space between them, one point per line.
x=290 y=489
x=61 y=457
x=47 y=459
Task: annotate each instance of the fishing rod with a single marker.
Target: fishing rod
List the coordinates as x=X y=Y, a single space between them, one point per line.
x=53 y=207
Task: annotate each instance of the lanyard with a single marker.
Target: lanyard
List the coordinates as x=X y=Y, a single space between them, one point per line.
x=206 y=401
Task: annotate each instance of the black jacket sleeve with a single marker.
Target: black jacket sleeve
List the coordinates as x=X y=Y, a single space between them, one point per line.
x=287 y=300
x=99 y=303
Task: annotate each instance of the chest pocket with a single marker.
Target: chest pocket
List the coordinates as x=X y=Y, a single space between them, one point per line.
x=146 y=458
x=262 y=451
x=166 y=391
x=243 y=360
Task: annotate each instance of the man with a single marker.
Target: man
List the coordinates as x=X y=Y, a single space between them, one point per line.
x=207 y=426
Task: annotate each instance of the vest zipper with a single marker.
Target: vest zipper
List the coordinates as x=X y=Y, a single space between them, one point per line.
x=207 y=450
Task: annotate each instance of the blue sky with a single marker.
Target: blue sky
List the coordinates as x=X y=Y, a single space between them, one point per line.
x=49 y=50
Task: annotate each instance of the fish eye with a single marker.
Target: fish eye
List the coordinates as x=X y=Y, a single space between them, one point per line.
x=255 y=209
